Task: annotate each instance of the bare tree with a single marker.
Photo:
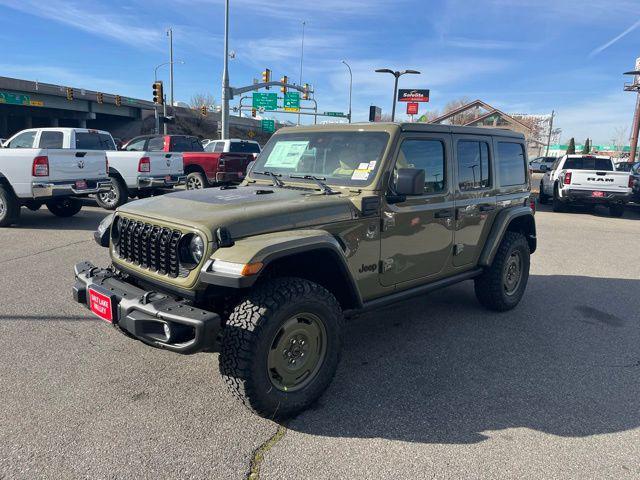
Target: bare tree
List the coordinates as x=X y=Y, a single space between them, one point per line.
x=620 y=138
x=200 y=99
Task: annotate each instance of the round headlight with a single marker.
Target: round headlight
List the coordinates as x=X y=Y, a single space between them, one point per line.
x=196 y=248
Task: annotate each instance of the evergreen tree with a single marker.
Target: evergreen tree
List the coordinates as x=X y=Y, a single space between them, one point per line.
x=587 y=146
x=571 y=149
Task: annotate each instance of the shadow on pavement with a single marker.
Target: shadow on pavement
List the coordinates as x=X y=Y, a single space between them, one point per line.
x=631 y=212
x=441 y=369
x=87 y=219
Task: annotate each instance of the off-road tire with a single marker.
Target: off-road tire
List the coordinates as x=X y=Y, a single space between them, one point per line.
x=117 y=196
x=490 y=286
x=196 y=181
x=9 y=207
x=543 y=198
x=616 y=211
x=64 y=207
x=250 y=334
x=557 y=204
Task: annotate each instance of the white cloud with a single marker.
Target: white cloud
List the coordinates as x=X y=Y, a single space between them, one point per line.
x=626 y=32
x=61 y=76
x=484 y=44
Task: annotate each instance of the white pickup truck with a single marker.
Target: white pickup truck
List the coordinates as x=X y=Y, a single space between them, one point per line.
x=586 y=180
x=133 y=173
x=36 y=170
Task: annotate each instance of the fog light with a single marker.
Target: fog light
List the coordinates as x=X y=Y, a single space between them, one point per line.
x=167 y=331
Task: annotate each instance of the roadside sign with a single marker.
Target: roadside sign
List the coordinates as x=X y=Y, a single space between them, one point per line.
x=266 y=101
x=407 y=95
x=268 y=125
x=14 y=98
x=412 y=108
x=335 y=114
x=292 y=101
x=375 y=113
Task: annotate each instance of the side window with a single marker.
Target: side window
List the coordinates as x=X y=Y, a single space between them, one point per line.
x=219 y=147
x=156 y=144
x=473 y=165
x=511 y=164
x=136 y=145
x=427 y=155
x=51 y=139
x=24 y=140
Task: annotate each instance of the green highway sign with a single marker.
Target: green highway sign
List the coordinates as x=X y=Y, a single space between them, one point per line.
x=267 y=101
x=14 y=98
x=334 y=114
x=268 y=125
x=292 y=101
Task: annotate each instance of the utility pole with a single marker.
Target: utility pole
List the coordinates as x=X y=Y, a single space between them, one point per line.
x=635 y=129
x=304 y=23
x=224 y=114
x=550 y=130
x=164 y=114
x=170 y=35
x=350 y=87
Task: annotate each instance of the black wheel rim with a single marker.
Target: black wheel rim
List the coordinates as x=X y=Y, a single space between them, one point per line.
x=297 y=352
x=194 y=183
x=512 y=275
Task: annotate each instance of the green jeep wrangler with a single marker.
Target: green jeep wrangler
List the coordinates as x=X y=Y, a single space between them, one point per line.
x=330 y=221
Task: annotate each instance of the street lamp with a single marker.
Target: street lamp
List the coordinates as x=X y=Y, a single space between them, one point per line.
x=397 y=75
x=155 y=70
x=350 y=87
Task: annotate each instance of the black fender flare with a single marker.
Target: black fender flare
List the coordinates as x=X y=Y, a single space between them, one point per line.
x=500 y=227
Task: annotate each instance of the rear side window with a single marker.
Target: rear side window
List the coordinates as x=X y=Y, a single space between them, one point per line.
x=196 y=145
x=156 y=144
x=588 y=163
x=510 y=164
x=24 y=140
x=136 y=145
x=244 y=147
x=219 y=148
x=51 y=139
x=473 y=165
x=185 y=144
x=427 y=155
x=94 y=141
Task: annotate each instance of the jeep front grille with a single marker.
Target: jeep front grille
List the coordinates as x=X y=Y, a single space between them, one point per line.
x=149 y=246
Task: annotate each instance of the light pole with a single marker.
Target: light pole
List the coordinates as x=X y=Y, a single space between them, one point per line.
x=397 y=75
x=170 y=35
x=304 y=23
x=155 y=70
x=224 y=114
x=350 y=87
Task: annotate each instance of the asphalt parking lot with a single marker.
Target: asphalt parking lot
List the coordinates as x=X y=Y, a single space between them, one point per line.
x=431 y=388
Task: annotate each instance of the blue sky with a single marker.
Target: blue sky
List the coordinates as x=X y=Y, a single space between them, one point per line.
x=528 y=56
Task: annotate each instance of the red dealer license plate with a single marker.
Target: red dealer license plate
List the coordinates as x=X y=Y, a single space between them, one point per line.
x=101 y=305
x=167 y=178
x=81 y=184
x=597 y=194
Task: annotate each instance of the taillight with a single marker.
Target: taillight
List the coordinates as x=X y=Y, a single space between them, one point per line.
x=631 y=180
x=144 y=165
x=40 y=166
x=567 y=178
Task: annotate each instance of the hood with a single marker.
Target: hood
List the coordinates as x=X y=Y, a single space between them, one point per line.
x=245 y=210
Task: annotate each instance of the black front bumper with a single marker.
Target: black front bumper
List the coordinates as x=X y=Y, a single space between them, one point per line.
x=144 y=314
x=585 y=196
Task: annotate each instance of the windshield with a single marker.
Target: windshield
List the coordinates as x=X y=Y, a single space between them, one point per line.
x=94 y=141
x=588 y=163
x=340 y=158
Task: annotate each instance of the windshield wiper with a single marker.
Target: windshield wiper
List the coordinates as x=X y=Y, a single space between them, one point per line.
x=319 y=180
x=276 y=181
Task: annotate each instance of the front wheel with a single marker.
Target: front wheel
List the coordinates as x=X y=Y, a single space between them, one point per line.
x=9 y=207
x=116 y=196
x=281 y=346
x=501 y=286
x=64 y=207
x=616 y=211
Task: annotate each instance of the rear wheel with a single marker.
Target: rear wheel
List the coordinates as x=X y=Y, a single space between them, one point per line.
x=616 y=211
x=116 y=196
x=281 y=346
x=196 y=181
x=9 y=207
x=558 y=205
x=501 y=286
x=543 y=198
x=64 y=207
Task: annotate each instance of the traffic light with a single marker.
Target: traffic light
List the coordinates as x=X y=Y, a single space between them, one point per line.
x=254 y=112
x=158 y=97
x=305 y=94
x=118 y=100
x=203 y=110
x=266 y=77
x=100 y=97
x=69 y=93
x=284 y=79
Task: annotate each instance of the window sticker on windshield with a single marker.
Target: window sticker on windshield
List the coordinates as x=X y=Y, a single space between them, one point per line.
x=372 y=165
x=286 y=154
x=360 y=174
x=363 y=166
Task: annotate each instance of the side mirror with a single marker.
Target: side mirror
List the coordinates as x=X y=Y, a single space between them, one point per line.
x=410 y=181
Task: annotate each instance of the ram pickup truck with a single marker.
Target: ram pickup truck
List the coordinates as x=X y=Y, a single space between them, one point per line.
x=203 y=169
x=586 y=180
x=39 y=167
x=331 y=220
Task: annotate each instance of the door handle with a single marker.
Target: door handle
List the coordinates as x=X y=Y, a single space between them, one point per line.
x=446 y=213
x=487 y=208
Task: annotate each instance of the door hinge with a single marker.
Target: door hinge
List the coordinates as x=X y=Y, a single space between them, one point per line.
x=386 y=265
